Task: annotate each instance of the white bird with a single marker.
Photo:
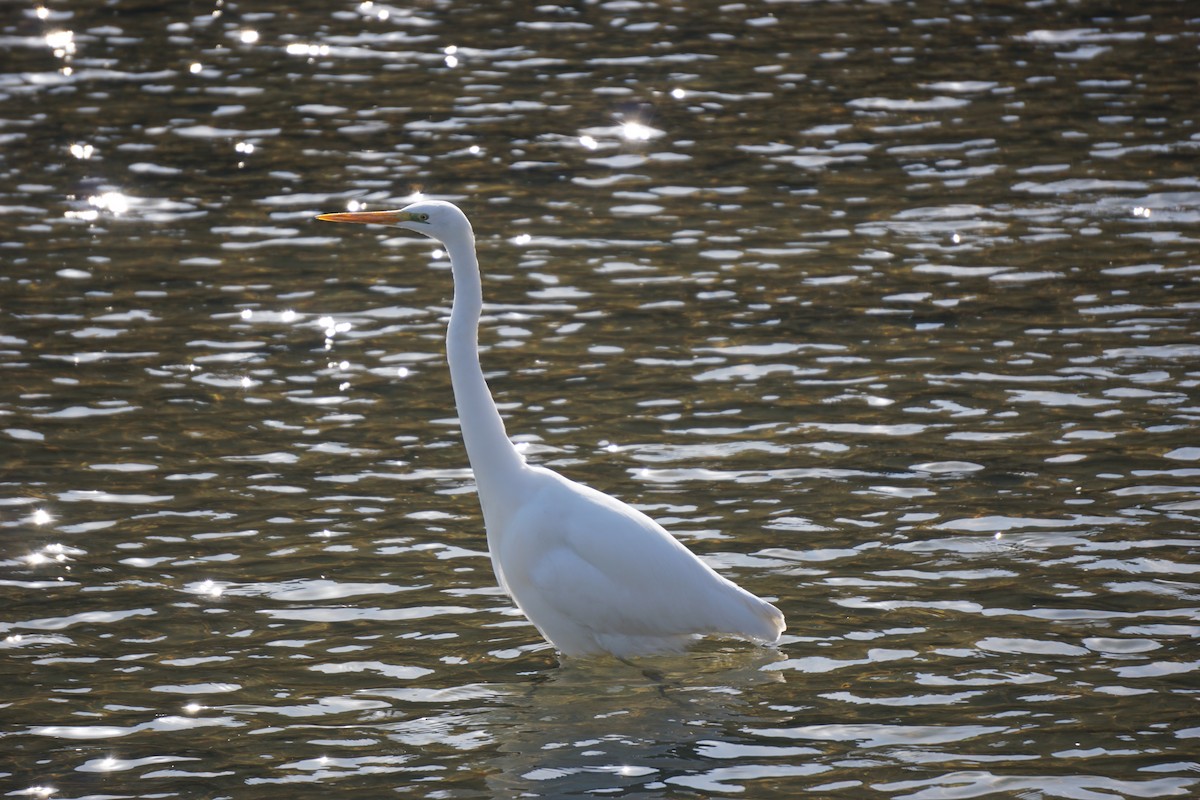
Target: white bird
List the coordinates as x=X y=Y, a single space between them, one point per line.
x=593 y=574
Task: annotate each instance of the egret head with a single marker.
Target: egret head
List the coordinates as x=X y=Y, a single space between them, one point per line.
x=437 y=219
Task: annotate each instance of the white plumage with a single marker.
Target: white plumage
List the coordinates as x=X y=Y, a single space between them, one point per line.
x=593 y=574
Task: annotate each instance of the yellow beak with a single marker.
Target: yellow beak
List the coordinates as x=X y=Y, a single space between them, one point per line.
x=369 y=217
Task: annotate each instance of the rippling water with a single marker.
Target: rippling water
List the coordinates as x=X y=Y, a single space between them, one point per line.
x=887 y=310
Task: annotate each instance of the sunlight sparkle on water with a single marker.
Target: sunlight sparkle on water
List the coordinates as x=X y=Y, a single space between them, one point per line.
x=61 y=42
x=195 y=67
x=588 y=142
x=248 y=36
x=42 y=517
x=210 y=588
x=310 y=50
x=37 y=791
x=113 y=202
x=634 y=131
x=51 y=552
x=82 y=151
x=367 y=7
x=333 y=327
x=451 y=58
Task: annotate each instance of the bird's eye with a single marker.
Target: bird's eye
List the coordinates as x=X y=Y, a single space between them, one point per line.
x=423 y=217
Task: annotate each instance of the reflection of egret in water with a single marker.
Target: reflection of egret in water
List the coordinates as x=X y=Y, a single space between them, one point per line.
x=601 y=726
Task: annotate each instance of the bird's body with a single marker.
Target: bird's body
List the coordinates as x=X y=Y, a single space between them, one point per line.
x=598 y=576
x=593 y=574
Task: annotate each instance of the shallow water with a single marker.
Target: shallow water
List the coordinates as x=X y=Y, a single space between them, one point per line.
x=886 y=310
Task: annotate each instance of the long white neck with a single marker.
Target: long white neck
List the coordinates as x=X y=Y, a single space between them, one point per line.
x=494 y=459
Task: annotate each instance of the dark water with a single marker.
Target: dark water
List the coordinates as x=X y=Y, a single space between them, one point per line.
x=887 y=310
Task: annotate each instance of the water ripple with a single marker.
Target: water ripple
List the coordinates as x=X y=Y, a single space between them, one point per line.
x=891 y=322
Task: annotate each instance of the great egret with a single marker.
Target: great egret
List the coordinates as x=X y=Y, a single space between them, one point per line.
x=593 y=574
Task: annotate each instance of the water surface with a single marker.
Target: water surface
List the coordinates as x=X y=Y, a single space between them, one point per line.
x=887 y=310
